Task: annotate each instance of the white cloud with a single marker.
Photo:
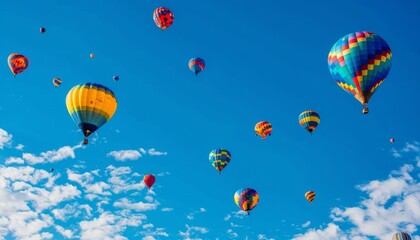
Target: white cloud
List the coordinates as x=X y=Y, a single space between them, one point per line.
x=305 y=225
x=124 y=155
x=64 y=232
x=19 y=147
x=5 y=138
x=167 y=209
x=137 y=206
x=149 y=225
x=232 y=234
x=192 y=232
x=263 y=237
x=153 y=152
x=393 y=204
x=191 y=215
x=16 y=160
x=51 y=156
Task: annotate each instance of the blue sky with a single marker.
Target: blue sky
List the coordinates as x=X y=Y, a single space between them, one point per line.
x=265 y=60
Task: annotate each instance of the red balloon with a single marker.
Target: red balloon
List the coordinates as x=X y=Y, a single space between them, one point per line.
x=42 y=30
x=149 y=180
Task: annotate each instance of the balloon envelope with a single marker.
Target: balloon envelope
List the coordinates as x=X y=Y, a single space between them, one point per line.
x=263 y=129
x=246 y=198
x=359 y=62
x=149 y=180
x=163 y=17
x=196 y=65
x=17 y=63
x=309 y=120
x=310 y=196
x=57 y=82
x=401 y=236
x=116 y=78
x=42 y=30
x=90 y=105
x=219 y=158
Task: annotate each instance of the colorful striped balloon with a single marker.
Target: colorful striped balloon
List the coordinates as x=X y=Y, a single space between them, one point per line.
x=17 y=63
x=163 y=17
x=90 y=105
x=309 y=120
x=401 y=236
x=57 y=82
x=310 y=196
x=196 y=65
x=359 y=62
x=246 y=199
x=263 y=129
x=219 y=158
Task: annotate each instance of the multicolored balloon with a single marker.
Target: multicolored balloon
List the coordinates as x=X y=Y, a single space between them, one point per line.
x=310 y=196
x=219 y=158
x=42 y=30
x=56 y=82
x=90 y=105
x=196 y=65
x=149 y=180
x=263 y=129
x=392 y=140
x=359 y=62
x=163 y=17
x=116 y=78
x=309 y=120
x=17 y=63
x=246 y=199
x=401 y=236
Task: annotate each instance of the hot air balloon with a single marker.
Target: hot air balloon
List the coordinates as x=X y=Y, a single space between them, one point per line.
x=52 y=170
x=149 y=180
x=263 y=129
x=116 y=78
x=196 y=65
x=92 y=55
x=309 y=120
x=163 y=17
x=17 y=63
x=246 y=199
x=359 y=62
x=56 y=82
x=401 y=236
x=310 y=196
x=219 y=158
x=90 y=105
x=42 y=30
x=392 y=140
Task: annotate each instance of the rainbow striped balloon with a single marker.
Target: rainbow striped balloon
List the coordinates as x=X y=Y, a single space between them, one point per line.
x=246 y=199
x=309 y=120
x=359 y=62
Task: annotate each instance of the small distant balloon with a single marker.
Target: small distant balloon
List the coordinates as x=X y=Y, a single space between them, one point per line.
x=92 y=55
x=52 y=170
x=163 y=17
x=310 y=196
x=42 y=30
x=392 y=140
x=309 y=120
x=263 y=129
x=17 y=63
x=57 y=82
x=196 y=65
x=149 y=180
x=116 y=78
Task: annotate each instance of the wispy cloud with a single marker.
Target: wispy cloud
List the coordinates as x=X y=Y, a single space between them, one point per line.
x=136 y=206
x=154 y=152
x=409 y=147
x=192 y=231
x=5 y=138
x=167 y=209
x=19 y=147
x=191 y=215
